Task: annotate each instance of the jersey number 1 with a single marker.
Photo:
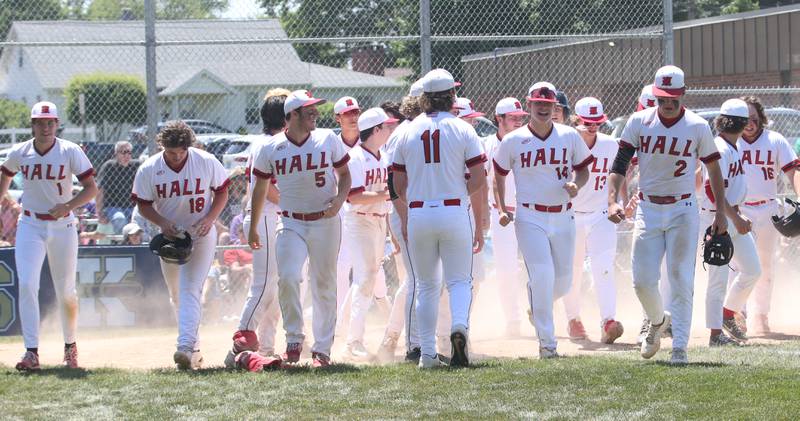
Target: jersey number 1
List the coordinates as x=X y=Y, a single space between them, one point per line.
x=431 y=144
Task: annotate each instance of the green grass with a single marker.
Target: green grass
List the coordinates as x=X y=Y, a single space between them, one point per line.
x=757 y=382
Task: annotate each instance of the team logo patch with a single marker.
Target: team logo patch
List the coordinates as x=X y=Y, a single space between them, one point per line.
x=45 y=109
x=526 y=141
x=349 y=102
x=666 y=81
x=517 y=105
x=160 y=172
x=280 y=148
x=651 y=103
x=308 y=94
x=592 y=110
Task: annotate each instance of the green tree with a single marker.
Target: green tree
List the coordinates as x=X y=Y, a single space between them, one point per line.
x=17 y=10
x=697 y=9
x=112 y=101
x=165 y=9
x=14 y=114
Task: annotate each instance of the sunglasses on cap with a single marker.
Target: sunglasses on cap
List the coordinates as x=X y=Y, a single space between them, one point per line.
x=543 y=93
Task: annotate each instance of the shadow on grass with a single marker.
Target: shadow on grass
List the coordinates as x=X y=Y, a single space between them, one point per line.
x=599 y=346
x=60 y=372
x=704 y=364
x=777 y=336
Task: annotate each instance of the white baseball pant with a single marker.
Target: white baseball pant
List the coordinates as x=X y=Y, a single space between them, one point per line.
x=318 y=241
x=344 y=264
x=547 y=242
x=747 y=269
x=766 y=237
x=190 y=278
x=365 y=237
x=595 y=237
x=408 y=300
x=671 y=230
x=440 y=233
x=261 y=309
x=58 y=240
x=507 y=270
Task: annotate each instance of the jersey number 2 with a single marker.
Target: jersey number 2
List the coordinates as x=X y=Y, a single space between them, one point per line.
x=681 y=170
x=431 y=144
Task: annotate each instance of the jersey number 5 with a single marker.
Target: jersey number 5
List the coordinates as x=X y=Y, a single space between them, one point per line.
x=430 y=142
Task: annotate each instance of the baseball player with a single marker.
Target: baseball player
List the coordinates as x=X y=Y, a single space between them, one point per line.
x=765 y=154
x=734 y=115
x=646 y=98
x=261 y=309
x=47 y=226
x=595 y=235
x=310 y=166
x=429 y=175
x=668 y=140
x=561 y=110
x=543 y=157
x=184 y=189
x=509 y=116
x=365 y=212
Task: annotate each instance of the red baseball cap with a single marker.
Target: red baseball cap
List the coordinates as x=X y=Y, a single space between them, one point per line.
x=669 y=82
x=44 y=109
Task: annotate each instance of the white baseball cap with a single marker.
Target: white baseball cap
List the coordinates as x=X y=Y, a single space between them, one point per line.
x=131 y=228
x=416 y=89
x=735 y=108
x=590 y=110
x=345 y=104
x=298 y=99
x=646 y=98
x=466 y=109
x=373 y=117
x=542 y=92
x=438 y=80
x=509 y=106
x=669 y=82
x=44 y=109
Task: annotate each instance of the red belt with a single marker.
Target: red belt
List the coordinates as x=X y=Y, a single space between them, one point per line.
x=446 y=202
x=759 y=203
x=377 y=215
x=42 y=216
x=549 y=209
x=313 y=216
x=664 y=200
x=508 y=208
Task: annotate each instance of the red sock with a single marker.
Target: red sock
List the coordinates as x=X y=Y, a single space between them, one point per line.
x=727 y=313
x=716 y=332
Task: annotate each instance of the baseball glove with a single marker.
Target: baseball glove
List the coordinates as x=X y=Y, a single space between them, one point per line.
x=172 y=250
x=717 y=248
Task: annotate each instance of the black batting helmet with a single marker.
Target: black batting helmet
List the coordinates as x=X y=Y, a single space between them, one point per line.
x=172 y=250
x=789 y=225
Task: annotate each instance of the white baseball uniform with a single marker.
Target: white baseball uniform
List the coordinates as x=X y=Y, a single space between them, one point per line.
x=433 y=152
x=304 y=170
x=366 y=233
x=344 y=262
x=544 y=222
x=763 y=159
x=261 y=309
x=595 y=235
x=184 y=195
x=504 y=244
x=745 y=256
x=667 y=217
x=48 y=182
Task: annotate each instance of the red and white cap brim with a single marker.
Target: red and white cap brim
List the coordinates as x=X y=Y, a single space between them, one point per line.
x=668 y=93
x=598 y=119
x=348 y=109
x=473 y=114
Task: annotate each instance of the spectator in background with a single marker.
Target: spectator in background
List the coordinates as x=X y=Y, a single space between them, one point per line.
x=115 y=182
x=132 y=234
x=237 y=224
x=103 y=234
x=149 y=229
x=9 y=213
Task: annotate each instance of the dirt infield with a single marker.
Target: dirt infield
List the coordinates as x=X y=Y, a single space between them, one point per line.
x=147 y=348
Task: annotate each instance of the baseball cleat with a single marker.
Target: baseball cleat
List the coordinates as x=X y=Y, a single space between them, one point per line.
x=29 y=362
x=459 y=352
x=183 y=359
x=678 y=356
x=320 y=360
x=546 y=353
x=413 y=355
x=652 y=342
x=253 y=361
x=197 y=360
x=734 y=329
x=388 y=347
x=612 y=330
x=71 y=356
x=357 y=350
x=722 y=340
x=230 y=359
x=741 y=320
x=292 y=354
x=576 y=330
x=245 y=340
x=643 y=331
x=761 y=324
x=426 y=362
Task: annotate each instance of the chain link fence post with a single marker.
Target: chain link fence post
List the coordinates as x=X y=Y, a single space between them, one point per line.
x=425 y=36
x=150 y=72
x=669 y=37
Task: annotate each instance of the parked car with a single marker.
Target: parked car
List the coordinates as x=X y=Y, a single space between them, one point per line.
x=217 y=143
x=199 y=126
x=484 y=127
x=238 y=151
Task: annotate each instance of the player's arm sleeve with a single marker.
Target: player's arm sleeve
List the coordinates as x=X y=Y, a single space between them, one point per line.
x=581 y=155
x=80 y=165
x=142 y=186
x=707 y=149
x=502 y=158
x=474 y=151
x=262 y=165
x=219 y=177
x=630 y=133
x=787 y=158
x=11 y=165
x=357 y=177
x=623 y=159
x=340 y=155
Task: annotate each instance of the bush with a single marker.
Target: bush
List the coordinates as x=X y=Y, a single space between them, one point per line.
x=112 y=100
x=14 y=114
